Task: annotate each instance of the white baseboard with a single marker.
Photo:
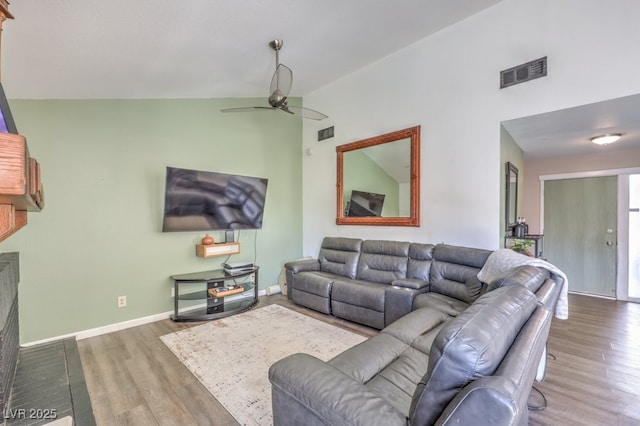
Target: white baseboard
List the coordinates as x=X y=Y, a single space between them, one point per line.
x=85 y=334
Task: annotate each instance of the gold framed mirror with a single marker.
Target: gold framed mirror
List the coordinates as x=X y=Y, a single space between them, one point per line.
x=378 y=180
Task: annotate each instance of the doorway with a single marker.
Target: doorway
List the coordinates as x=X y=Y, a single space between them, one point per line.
x=629 y=233
x=580 y=231
x=634 y=238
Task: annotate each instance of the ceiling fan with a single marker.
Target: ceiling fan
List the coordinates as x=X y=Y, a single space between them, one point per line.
x=280 y=87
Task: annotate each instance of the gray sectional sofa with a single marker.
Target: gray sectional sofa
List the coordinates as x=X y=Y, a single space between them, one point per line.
x=452 y=350
x=376 y=282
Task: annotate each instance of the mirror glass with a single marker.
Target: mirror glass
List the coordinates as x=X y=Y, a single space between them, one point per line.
x=378 y=180
x=511 y=196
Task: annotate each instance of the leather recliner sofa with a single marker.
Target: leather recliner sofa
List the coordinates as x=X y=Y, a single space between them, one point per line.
x=445 y=361
x=375 y=282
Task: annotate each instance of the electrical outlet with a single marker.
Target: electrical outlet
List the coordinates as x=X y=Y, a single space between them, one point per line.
x=252 y=278
x=122 y=301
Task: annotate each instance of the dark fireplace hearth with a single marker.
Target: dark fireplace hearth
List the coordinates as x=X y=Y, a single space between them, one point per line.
x=9 y=331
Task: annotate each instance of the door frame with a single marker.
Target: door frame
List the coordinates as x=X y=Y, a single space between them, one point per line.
x=622 y=226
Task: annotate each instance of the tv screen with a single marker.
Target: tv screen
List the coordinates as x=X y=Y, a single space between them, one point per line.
x=7 y=125
x=365 y=204
x=197 y=200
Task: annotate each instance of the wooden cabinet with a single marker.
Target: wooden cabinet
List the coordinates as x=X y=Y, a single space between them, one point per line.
x=20 y=184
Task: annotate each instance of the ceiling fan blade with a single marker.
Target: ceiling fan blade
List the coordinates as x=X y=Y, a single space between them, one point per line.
x=286 y=109
x=282 y=80
x=281 y=83
x=247 y=109
x=304 y=112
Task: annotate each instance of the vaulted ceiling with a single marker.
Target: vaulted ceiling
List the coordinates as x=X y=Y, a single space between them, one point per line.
x=83 y=49
x=65 y=49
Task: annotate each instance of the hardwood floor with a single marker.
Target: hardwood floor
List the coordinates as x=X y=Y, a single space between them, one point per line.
x=595 y=377
x=594 y=380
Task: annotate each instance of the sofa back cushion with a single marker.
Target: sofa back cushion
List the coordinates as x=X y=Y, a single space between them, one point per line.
x=454 y=271
x=470 y=346
x=420 y=258
x=383 y=261
x=529 y=276
x=340 y=256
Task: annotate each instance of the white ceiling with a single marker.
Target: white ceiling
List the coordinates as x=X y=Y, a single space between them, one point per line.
x=82 y=49
x=569 y=131
x=66 y=49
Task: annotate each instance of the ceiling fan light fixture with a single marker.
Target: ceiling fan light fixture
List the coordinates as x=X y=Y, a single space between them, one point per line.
x=606 y=139
x=281 y=83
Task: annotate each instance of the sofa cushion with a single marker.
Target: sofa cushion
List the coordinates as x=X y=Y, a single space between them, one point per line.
x=383 y=261
x=529 y=276
x=420 y=257
x=440 y=302
x=313 y=289
x=470 y=346
x=457 y=281
x=454 y=271
x=363 y=361
x=473 y=257
x=359 y=301
x=413 y=327
x=392 y=363
x=340 y=256
x=316 y=282
x=359 y=293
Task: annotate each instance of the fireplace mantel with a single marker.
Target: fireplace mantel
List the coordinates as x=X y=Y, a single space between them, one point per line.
x=20 y=184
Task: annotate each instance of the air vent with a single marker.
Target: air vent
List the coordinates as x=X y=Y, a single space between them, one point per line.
x=524 y=72
x=325 y=133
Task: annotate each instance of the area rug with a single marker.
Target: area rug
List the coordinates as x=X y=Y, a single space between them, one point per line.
x=231 y=356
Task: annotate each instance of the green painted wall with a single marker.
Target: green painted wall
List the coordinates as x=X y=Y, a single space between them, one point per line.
x=99 y=236
x=363 y=174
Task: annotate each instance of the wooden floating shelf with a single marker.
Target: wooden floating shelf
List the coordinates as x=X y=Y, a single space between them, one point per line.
x=220 y=249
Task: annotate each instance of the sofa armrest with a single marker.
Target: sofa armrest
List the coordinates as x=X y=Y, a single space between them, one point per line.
x=306 y=390
x=399 y=300
x=411 y=283
x=295 y=267
x=492 y=399
x=298 y=266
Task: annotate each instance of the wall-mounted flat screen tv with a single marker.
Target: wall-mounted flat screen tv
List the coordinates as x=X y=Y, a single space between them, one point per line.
x=197 y=200
x=364 y=204
x=7 y=125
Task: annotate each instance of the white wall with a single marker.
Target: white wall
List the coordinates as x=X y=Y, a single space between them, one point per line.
x=449 y=84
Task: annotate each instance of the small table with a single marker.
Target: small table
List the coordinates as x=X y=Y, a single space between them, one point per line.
x=536 y=238
x=215 y=307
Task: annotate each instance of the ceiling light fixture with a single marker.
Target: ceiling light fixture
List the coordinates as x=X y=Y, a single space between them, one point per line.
x=606 y=139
